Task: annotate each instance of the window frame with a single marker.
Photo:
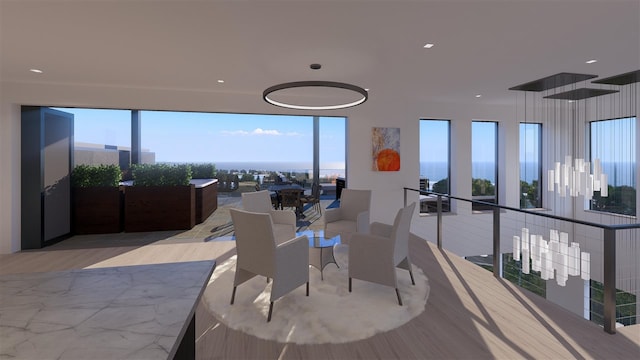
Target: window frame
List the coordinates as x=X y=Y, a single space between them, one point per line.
x=589 y=204
x=445 y=201
x=540 y=179
x=479 y=207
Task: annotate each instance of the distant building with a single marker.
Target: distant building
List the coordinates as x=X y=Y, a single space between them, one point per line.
x=96 y=154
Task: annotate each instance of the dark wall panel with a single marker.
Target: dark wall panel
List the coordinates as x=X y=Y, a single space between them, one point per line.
x=46 y=156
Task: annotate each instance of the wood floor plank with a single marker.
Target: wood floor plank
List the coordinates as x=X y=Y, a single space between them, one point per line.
x=469 y=313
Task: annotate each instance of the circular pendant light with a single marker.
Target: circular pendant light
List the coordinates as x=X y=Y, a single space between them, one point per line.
x=315 y=95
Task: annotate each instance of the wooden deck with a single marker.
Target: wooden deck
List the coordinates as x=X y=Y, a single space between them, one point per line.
x=469 y=313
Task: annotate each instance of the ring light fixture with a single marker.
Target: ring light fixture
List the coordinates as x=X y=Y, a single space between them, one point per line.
x=269 y=93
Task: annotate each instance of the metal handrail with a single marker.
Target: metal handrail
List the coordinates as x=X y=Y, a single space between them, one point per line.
x=609 y=246
x=555 y=217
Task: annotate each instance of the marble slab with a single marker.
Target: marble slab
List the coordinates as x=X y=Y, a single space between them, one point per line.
x=129 y=312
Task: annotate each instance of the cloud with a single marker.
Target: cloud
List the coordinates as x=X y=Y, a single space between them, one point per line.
x=257 y=132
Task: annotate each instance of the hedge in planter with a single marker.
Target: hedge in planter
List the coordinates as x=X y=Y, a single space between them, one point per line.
x=96 y=199
x=203 y=171
x=160 y=199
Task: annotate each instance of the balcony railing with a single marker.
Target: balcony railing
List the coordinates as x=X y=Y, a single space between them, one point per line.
x=506 y=218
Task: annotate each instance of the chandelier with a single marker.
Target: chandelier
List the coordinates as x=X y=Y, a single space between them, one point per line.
x=315 y=95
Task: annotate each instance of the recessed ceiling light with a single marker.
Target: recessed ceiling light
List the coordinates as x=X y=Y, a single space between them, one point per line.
x=428 y=46
x=570 y=101
x=37 y=71
x=592 y=61
x=220 y=81
x=478 y=95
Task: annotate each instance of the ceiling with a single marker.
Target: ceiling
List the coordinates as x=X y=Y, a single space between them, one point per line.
x=481 y=47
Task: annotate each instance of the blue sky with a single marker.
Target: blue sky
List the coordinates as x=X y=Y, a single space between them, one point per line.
x=211 y=137
x=434 y=139
x=529 y=142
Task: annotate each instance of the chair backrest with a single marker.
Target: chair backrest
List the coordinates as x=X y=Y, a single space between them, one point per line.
x=400 y=232
x=315 y=191
x=290 y=197
x=353 y=202
x=255 y=242
x=259 y=201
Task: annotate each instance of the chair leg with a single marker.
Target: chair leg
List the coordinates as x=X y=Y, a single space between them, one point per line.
x=270 y=311
x=411 y=274
x=233 y=294
x=307 y=288
x=349 y=284
x=399 y=298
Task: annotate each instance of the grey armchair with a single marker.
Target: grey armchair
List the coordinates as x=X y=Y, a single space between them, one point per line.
x=287 y=263
x=352 y=216
x=374 y=257
x=284 y=221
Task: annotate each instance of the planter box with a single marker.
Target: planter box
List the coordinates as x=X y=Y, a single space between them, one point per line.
x=97 y=210
x=156 y=208
x=206 y=198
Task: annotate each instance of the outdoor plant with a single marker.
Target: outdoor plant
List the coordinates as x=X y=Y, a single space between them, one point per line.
x=161 y=175
x=203 y=171
x=228 y=182
x=96 y=175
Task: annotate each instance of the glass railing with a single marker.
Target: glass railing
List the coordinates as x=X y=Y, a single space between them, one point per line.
x=586 y=267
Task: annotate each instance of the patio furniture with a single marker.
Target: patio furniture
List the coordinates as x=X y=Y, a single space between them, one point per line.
x=284 y=221
x=374 y=257
x=259 y=253
x=313 y=198
x=290 y=198
x=352 y=216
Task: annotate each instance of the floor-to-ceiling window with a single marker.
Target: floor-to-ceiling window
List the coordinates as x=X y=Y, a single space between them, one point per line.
x=613 y=147
x=434 y=162
x=484 y=162
x=250 y=145
x=101 y=136
x=530 y=165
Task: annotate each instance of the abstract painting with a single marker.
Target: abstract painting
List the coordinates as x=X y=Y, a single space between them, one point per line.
x=385 y=151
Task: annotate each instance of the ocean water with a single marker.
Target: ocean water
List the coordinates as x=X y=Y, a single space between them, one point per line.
x=618 y=173
x=435 y=171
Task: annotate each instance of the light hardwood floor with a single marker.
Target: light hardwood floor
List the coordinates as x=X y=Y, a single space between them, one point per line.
x=469 y=313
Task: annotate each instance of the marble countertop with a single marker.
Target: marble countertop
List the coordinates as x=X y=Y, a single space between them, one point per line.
x=128 y=312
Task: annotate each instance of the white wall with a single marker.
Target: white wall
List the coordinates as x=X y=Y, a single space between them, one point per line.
x=387 y=186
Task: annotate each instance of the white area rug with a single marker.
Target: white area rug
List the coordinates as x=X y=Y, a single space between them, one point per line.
x=329 y=315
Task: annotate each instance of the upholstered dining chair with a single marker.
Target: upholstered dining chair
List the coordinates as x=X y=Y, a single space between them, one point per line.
x=284 y=221
x=287 y=263
x=374 y=257
x=351 y=216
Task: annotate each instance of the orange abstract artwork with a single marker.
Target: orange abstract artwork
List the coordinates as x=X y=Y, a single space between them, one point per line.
x=386 y=149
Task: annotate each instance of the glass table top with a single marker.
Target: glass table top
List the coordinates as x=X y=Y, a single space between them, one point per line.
x=317 y=238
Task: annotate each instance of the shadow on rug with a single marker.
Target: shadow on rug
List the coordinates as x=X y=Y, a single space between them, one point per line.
x=329 y=315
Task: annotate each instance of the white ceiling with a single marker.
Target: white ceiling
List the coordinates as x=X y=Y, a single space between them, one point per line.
x=481 y=47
